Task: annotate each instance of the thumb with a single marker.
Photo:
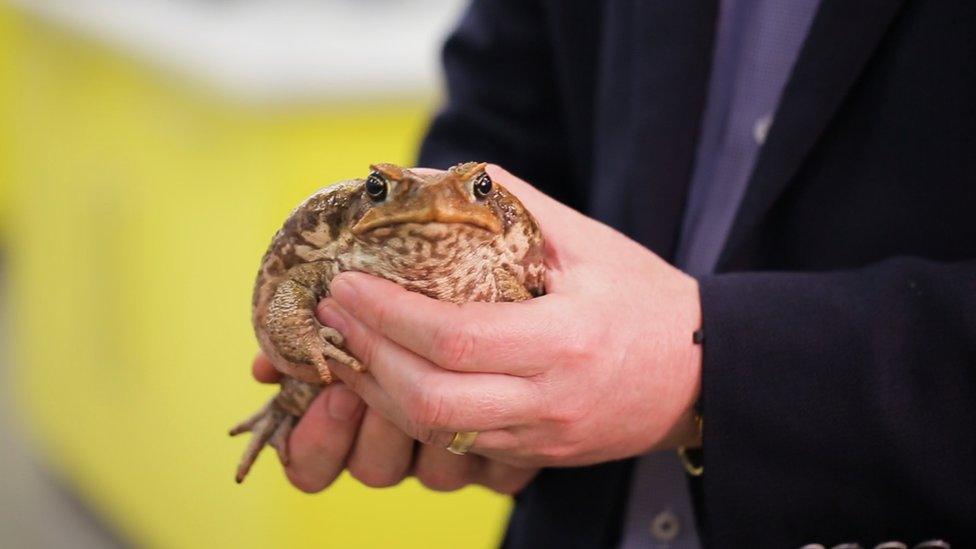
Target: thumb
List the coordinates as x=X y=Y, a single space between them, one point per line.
x=568 y=233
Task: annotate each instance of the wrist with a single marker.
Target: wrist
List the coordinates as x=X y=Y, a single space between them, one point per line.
x=686 y=430
x=691 y=339
x=690 y=451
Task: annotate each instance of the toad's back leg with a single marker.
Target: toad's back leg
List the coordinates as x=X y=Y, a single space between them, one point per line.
x=294 y=339
x=273 y=423
x=290 y=325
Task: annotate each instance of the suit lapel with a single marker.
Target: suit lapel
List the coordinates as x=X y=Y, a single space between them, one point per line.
x=653 y=78
x=842 y=38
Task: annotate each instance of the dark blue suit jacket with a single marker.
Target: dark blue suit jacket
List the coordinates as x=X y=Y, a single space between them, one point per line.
x=840 y=335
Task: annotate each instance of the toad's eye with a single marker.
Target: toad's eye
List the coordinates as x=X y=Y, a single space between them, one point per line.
x=376 y=187
x=482 y=186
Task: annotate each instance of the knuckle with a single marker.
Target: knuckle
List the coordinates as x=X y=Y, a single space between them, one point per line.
x=310 y=484
x=375 y=476
x=427 y=436
x=568 y=413
x=520 y=461
x=455 y=344
x=314 y=446
x=370 y=349
x=383 y=315
x=357 y=383
x=428 y=409
x=579 y=348
x=553 y=455
x=439 y=480
x=559 y=451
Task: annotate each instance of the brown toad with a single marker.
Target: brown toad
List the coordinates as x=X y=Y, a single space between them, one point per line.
x=452 y=235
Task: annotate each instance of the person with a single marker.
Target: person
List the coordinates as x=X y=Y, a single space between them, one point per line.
x=793 y=181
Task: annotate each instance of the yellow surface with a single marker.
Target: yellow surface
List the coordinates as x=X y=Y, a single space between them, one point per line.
x=137 y=211
x=6 y=54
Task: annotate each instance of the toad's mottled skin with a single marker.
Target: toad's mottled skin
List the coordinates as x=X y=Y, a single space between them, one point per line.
x=452 y=235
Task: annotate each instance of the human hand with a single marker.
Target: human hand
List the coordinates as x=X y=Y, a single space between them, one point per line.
x=601 y=368
x=338 y=432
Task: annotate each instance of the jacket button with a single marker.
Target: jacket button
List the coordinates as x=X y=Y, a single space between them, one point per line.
x=666 y=526
x=760 y=129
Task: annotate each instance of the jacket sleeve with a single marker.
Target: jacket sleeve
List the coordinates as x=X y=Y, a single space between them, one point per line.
x=502 y=104
x=849 y=394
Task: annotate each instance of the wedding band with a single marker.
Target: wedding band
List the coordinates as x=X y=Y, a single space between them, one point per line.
x=462 y=442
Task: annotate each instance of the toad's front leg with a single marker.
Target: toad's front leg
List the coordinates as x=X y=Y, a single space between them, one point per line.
x=291 y=327
x=273 y=423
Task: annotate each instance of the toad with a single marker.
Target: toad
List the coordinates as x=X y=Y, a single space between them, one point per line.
x=454 y=235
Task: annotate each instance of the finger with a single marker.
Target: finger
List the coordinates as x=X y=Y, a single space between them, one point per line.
x=323 y=438
x=410 y=422
x=382 y=453
x=548 y=211
x=569 y=236
x=504 y=446
x=377 y=398
x=414 y=393
x=440 y=470
x=504 y=478
x=263 y=370
x=499 y=444
x=557 y=221
x=513 y=338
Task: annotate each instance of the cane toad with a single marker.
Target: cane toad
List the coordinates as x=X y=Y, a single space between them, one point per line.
x=454 y=235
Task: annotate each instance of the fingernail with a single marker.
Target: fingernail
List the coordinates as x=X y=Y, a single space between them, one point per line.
x=343 y=403
x=330 y=316
x=344 y=290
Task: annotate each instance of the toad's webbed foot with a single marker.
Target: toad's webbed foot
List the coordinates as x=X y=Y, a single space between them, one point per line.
x=272 y=424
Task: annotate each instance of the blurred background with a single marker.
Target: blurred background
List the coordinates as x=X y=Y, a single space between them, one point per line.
x=148 y=151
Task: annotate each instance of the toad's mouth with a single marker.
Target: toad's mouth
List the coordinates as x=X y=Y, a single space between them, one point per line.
x=431 y=217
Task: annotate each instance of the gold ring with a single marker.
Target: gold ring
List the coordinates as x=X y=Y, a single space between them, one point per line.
x=462 y=442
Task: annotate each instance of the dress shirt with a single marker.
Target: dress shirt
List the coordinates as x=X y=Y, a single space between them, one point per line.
x=757 y=44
